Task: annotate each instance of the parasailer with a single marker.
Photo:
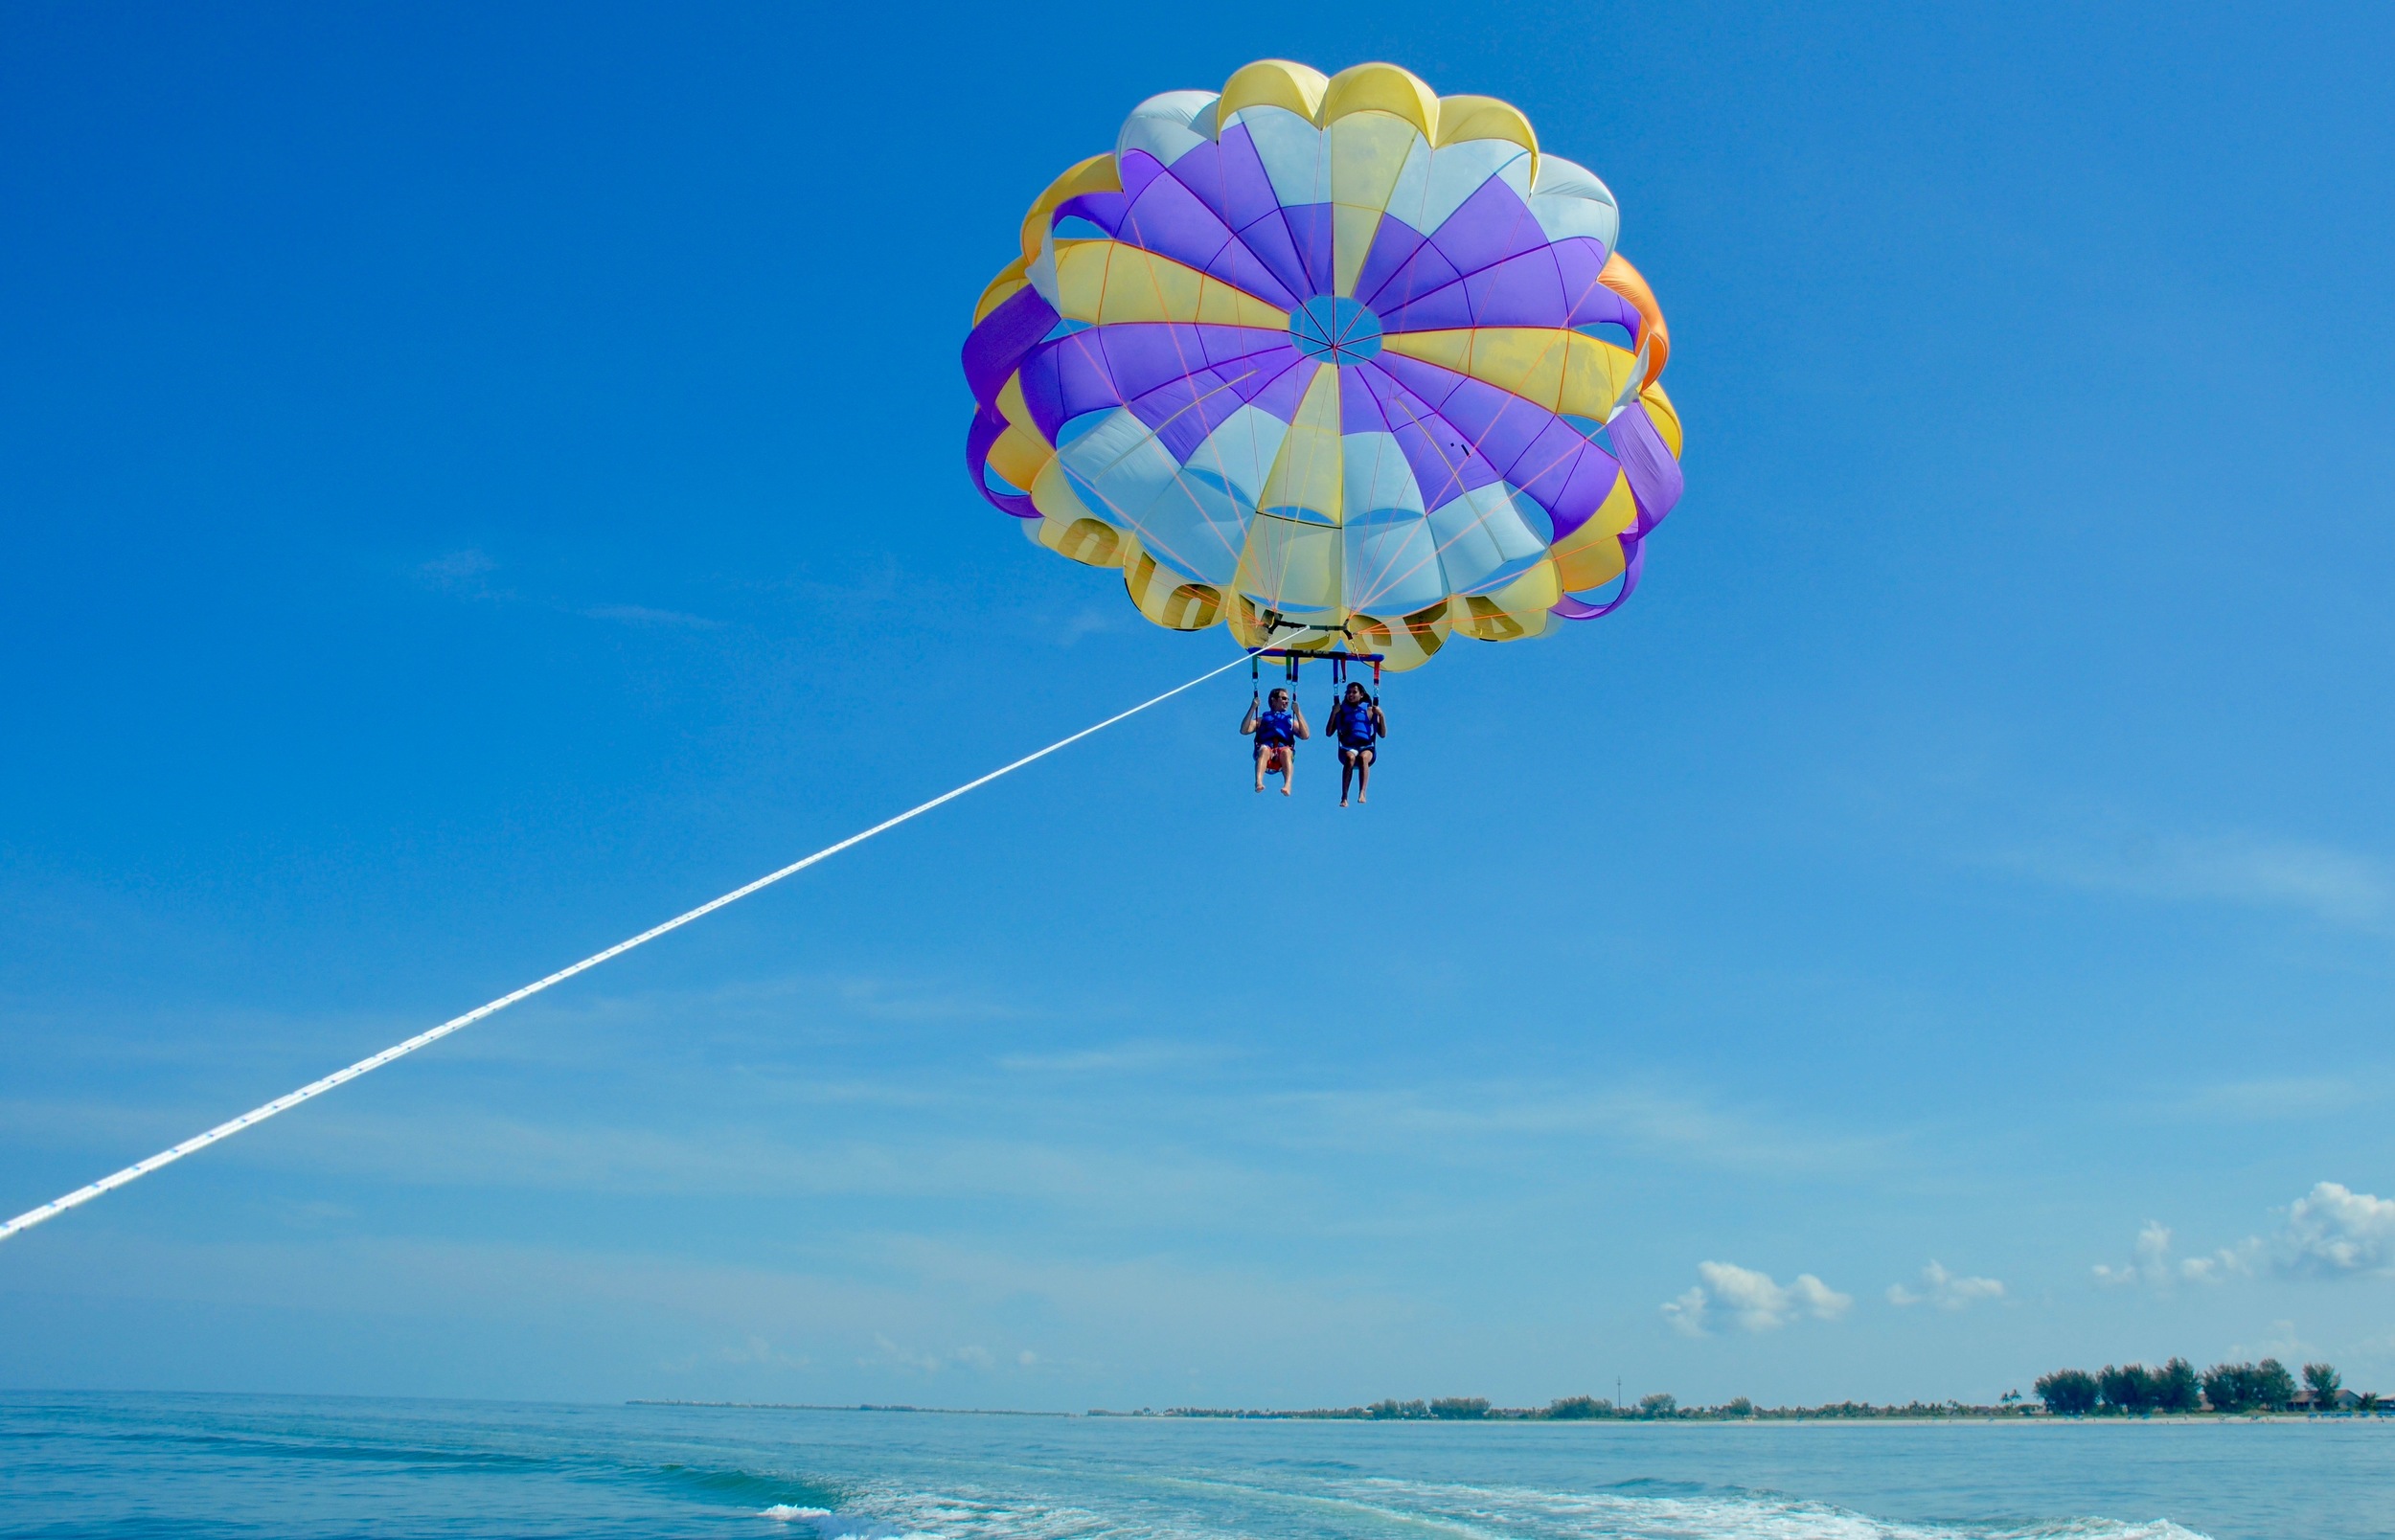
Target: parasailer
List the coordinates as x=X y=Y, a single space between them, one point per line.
x=1344 y=366
x=1358 y=724
x=1276 y=729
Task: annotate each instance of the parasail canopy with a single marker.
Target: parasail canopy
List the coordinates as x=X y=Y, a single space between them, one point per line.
x=1333 y=352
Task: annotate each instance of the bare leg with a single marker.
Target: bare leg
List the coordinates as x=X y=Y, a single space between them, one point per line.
x=1347 y=773
x=1288 y=770
x=1260 y=758
x=1363 y=774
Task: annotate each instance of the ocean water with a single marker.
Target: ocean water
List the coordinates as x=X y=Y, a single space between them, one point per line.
x=190 y=1466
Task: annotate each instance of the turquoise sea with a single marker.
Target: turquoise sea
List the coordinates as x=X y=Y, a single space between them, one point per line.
x=211 y=1465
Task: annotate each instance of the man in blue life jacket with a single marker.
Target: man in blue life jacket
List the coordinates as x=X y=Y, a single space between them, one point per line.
x=1276 y=729
x=1358 y=724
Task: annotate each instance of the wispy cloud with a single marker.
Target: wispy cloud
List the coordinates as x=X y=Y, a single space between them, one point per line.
x=888 y=1354
x=466 y=574
x=1126 y=1058
x=2333 y=885
x=644 y=615
x=1945 y=1290
x=1754 y=1301
x=1671 y=1124
x=2152 y=1265
x=1089 y=623
x=2281 y=1098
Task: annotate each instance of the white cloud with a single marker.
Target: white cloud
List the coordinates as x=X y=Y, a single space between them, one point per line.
x=1754 y=1299
x=1948 y=1291
x=1126 y=1058
x=972 y=1355
x=2284 y=1099
x=755 y=1349
x=2153 y=1264
x=2229 y=1261
x=2335 y=1230
x=2154 y=1267
x=644 y=615
x=1504 y=1114
x=2336 y=885
x=466 y=574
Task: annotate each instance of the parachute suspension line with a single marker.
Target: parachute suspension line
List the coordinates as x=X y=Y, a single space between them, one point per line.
x=316 y=1088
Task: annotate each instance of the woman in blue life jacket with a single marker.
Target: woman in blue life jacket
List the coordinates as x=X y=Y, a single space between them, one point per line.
x=1276 y=729
x=1358 y=724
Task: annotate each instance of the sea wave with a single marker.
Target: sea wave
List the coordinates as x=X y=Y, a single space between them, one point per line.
x=1657 y=1510
x=1222 y=1507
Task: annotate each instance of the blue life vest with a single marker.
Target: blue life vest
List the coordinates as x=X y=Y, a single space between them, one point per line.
x=1354 y=724
x=1275 y=730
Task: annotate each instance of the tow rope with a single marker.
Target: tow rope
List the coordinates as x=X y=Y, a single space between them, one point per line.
x=316 y=1088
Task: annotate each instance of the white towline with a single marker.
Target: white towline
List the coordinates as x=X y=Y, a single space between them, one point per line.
x=339 y=1077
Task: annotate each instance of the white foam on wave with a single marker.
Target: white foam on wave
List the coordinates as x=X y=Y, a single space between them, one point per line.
x=1469 y=1512
x=832 y=1526
x=1531 y=1514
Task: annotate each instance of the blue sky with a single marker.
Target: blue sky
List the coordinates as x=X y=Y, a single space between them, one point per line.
x=475 y=485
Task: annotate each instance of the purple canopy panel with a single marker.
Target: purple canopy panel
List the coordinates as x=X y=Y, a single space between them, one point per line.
x=1172 y=222
x=1169 y=220
x=1492 y=225
x=1633 y=562
x=1409 y=299
x=1655 y=476
x=1310 y=229
x=1360 y=410
x=1247 y=195
x=1105 y=209
x=1282 y=387
x=1236 y=265
x=1444 y=461
x=987 y=427
x=1427 y=383
x=1136 y=171
x=1065 y=378
x=1564 y=474
x=1394 y=243
x=1519 y=291
x=1143 y=354
x=1185 y=411
x=1230 y=343
x=1589 y=484
x=1501 y=424
x=994 y=348
x=1270 y=242
x=1580 y=261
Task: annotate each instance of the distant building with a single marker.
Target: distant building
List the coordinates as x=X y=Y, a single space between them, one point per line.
x=2344 y=1400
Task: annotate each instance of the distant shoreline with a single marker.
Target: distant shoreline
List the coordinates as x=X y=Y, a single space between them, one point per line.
x=855 y=1406
x=1762 y=1417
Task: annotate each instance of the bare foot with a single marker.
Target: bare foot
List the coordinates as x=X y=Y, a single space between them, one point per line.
x=1343 y=801
x=1285 y=791
x=1361 y=798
